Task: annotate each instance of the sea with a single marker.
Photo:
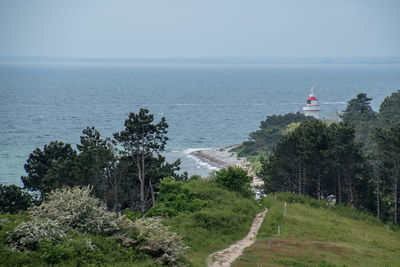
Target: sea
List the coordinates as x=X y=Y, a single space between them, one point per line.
x=206 y=105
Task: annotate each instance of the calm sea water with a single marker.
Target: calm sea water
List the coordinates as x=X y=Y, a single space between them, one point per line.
x=205 y=105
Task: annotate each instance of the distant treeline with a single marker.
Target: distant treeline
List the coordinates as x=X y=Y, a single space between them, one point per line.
x=356 y=159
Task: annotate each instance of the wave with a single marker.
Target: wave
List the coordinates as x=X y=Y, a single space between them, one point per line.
x=198 y=161
x=333 y=103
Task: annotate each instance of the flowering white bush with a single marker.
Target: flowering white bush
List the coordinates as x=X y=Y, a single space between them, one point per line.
x=74 y=209
x=167 y=247
x=28 y=235
x=64 y=210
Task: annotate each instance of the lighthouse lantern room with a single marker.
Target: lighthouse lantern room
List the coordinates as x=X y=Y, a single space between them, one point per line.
x=312 y=107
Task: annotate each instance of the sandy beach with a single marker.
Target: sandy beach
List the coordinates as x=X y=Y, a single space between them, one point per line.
x=223 y=157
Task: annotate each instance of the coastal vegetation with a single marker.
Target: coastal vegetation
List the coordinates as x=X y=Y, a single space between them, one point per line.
x=116 y=201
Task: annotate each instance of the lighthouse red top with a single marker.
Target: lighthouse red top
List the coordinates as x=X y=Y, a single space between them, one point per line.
x=312 y=98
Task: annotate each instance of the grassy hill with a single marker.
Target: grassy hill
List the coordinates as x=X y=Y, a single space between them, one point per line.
x=226 y=220
x=315 y=235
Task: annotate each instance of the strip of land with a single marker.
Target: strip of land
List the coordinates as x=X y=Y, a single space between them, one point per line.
x=224 y=157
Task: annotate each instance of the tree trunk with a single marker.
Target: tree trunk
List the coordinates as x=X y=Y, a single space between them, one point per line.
x=299 y=166
x=142 y=204
x=395 y=192
x=304 y=182
x=378 y=211
x=153 y=197
x=339 y=186
x=319 y=186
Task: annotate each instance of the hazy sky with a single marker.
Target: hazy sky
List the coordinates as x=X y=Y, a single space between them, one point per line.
x=201 y=28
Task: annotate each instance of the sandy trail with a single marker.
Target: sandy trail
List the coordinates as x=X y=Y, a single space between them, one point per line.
x=226 y=256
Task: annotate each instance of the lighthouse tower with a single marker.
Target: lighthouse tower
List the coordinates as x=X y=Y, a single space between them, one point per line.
x=312 y=107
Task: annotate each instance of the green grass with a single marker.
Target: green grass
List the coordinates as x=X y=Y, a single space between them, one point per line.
x=313 y=235
x=226 y=220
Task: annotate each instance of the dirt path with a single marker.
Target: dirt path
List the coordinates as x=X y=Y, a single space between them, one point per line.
x=226 y=256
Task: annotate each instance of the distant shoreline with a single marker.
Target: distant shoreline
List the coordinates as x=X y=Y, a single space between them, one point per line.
x=223 y=157
x=212 y=60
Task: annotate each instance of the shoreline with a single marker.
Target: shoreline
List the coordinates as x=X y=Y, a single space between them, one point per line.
x=223 y=157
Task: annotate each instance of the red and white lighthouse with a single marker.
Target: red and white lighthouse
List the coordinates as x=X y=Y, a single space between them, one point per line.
x=312 y=107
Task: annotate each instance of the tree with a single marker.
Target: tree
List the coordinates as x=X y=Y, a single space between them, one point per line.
x=141 y=140
x=50 y=168
x=234 y=179
x=14 y=199
x=96 y=164
x=389 y=147
x=360 y=113
x=389 y=111
x=318 y=160
x=271 y=130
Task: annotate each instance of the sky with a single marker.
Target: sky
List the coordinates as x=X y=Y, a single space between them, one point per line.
x=199 y=28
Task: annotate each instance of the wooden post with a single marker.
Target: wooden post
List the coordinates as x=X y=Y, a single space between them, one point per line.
x=284 y=210
x=269 y=243
x=279 y=230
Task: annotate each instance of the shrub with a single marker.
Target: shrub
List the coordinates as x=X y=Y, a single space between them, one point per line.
x=55 y=253
x=74 y=209
x=165 y=246
x=64 y=210
x=28 y=235
x=173 y=199
x=234 y=179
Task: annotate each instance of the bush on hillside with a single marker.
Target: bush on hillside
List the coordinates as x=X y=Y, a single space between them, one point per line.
x=234 y=179
x=28 y=235
x=173 y=199
x=64 y=210
x=165 y=246
x=75 y=209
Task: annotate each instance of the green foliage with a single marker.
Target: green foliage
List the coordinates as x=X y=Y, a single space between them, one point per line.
x=51 y=168
x=122 y=179
x=271 y=130
x=234 y=179
x=174 y=199
x=55 y=253
x=133 y=215
x=389 y=151
x=14 y=199
x=359 y=112
x=319 y=160
x=141 y=140
x=389 y=111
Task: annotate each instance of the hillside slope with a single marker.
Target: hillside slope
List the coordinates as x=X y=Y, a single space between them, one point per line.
x=319 y=236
